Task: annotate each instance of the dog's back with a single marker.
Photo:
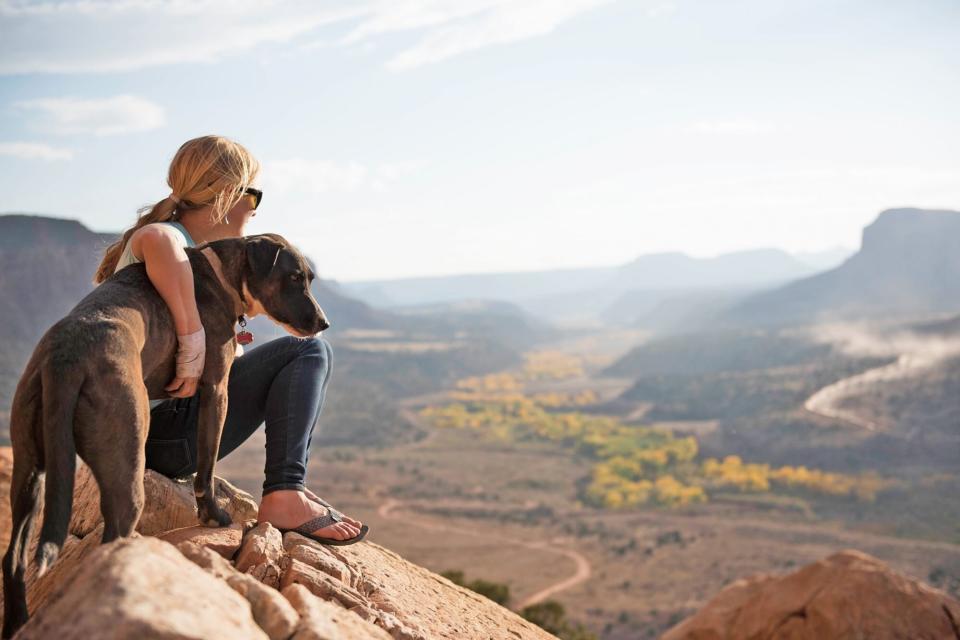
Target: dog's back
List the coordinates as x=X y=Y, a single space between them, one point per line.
x=86 y=387
x=85 y=366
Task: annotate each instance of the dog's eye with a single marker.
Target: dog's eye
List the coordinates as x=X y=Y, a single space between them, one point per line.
x=296 y=277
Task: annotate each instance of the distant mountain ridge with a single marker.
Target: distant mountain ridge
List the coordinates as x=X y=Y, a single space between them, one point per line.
x=908 y=263
x=680 y=271
x=618 y=294
x=47 y=266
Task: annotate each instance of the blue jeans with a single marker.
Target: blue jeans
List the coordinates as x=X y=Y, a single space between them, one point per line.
x=281 y=383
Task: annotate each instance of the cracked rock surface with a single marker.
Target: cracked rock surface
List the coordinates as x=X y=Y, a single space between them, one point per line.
x=176 y=579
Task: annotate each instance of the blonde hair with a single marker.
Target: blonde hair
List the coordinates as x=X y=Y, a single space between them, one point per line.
x=206 y=171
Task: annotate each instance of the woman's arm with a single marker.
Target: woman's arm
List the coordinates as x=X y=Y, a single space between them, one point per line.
x=168 y=268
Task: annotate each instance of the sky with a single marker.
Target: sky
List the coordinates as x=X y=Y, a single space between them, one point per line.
x=407 y=138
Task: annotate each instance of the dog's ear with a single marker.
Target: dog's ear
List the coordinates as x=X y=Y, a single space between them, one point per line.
x=262 y=255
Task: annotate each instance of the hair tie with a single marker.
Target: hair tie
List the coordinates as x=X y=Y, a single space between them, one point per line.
x=175 y=199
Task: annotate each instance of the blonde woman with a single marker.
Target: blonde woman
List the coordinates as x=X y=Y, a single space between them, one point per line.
x=281 y=383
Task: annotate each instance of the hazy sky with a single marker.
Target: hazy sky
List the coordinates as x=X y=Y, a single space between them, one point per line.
x=417 y=137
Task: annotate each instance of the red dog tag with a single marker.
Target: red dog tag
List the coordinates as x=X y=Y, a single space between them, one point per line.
x=243 y=336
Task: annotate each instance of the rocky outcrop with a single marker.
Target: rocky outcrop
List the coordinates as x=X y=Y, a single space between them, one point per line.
x=142 y=588
x=908 y=264
x=847 y=595
x=178 y=580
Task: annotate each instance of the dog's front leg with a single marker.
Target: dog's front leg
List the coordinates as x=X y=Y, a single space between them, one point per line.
x=213 y=412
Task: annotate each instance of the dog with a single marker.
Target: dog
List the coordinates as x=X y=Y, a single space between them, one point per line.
x=86 y=387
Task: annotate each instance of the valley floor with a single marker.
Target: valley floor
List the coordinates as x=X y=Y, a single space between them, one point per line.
x=508 y=513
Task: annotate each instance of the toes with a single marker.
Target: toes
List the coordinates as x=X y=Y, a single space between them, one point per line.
x=344 y=531
x=339 y=531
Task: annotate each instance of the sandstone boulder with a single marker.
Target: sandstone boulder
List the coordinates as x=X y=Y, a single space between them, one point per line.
x=274 y=613
x=270 y=610
x=321 y=620
x=6 y=473
x=168 y=504
x=411 y=602
x=261 y=553
x=142 y=588
x=223 y=540
x=847 y=595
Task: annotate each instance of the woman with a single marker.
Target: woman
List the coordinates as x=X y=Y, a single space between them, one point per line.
x=281 y=383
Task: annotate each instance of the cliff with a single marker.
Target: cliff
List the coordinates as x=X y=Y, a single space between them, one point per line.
x=176 y=579
x=908 y=263
x=847 y=595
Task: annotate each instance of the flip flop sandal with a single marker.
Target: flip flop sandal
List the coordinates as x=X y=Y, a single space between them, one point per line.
x=326 y=520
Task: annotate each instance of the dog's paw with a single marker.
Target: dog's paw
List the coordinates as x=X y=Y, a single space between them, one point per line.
x=211 y=515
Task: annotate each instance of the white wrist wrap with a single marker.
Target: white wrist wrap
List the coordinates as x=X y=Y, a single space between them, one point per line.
x=190 y=354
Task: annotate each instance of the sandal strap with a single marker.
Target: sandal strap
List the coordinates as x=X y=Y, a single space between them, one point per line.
x=320 y=522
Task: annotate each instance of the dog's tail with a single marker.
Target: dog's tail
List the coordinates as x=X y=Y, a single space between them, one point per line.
x=25 y=487
x=61 y=389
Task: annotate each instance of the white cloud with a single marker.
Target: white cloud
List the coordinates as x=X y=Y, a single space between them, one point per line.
x=98 y=36
x=299 y=175
x=83 y=36
x=34 y=151
x=313 y=176
x=730 y=127
x=102 y=117
x=499 y=23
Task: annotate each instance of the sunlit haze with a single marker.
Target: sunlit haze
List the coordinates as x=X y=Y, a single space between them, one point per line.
x=411 y=137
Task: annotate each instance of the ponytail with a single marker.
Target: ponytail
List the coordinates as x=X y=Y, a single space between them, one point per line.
x=163 y=211
x=209 y=171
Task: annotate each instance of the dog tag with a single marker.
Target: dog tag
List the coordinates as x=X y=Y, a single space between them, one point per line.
x=244 y=337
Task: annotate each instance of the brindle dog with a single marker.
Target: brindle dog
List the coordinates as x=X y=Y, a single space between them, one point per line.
x=85 y=391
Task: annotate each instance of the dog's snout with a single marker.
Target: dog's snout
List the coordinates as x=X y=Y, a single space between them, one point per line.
x=322 y=323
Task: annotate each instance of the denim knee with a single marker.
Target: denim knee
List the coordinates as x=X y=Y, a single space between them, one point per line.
x=316 y=347
x=313 y=346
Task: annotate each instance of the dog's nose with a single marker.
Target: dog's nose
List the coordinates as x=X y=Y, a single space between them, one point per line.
x=322 y=323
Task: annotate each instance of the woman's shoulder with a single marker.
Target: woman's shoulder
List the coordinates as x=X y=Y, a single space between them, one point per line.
x=156 y=234
x=159 y=232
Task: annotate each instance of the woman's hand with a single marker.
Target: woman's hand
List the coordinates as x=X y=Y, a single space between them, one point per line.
x=191 y=353
x=182 y=387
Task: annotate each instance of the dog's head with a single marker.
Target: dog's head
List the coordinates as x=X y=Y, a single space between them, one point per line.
x=277 y=283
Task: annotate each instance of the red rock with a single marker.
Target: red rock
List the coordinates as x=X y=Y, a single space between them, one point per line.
x=223 y=540
x=316 y=555
x=142 y=588
x=267 y=573
x=321 y=620
x=262 y=544
x=171 y=504
x=6 y=473
x=847 y=595
x=274 y=613
x=207 y=559
x=318 y=583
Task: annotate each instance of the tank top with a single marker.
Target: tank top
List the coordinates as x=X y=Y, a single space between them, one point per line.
x=127 y=258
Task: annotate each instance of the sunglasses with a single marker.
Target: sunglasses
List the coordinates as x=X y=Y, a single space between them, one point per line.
x=257 y=195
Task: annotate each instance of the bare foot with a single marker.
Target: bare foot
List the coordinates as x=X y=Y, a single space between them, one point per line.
x=288 y=509
x=317 y=499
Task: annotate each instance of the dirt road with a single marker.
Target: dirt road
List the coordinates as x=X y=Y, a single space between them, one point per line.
x=389 y=507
